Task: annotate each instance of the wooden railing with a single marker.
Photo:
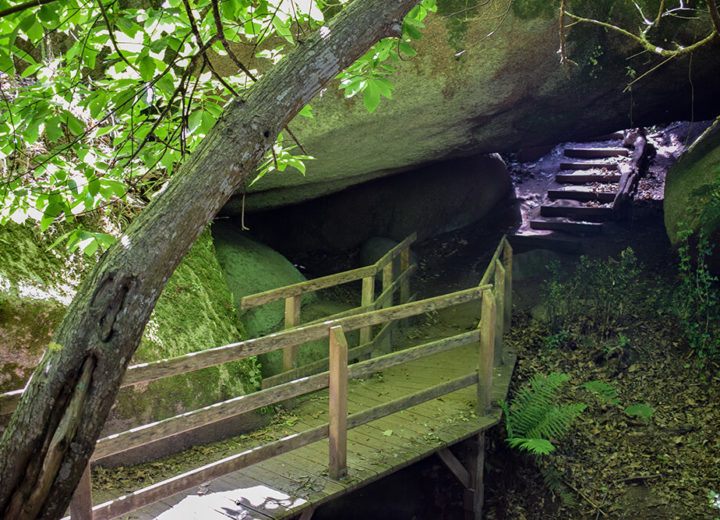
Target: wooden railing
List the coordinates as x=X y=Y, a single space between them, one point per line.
x=495 y=301
x=391 y=283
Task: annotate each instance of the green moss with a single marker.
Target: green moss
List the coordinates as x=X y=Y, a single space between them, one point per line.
x=530 y=9
x=690 y=183
x=24 y=258
x=195 y=312
x=457 y=15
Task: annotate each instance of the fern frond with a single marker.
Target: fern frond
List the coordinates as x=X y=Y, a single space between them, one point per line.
x=556 y=421
x=535 y=446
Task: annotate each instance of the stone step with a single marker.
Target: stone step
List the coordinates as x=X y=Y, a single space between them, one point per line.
x=605 y=137
x=582 y=178
x=582 y=195
x=568 y=226
x=576 y=212
x=588 y=165
x=554 y=242
x=596 y=153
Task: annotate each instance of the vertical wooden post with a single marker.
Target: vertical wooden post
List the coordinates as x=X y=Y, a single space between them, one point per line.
x=368 y=296
x=405 y=285
x=81 y=504
x=478 y=477
x=507 y=263
x=292 y=319
x=499 y=291
x=387 y=280
x=486 y=354
x=338 y=403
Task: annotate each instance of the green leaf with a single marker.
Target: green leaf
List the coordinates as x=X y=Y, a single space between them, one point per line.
x=307 y=112
x=387 y=433
x=640 y=410
x=53 y=129
x=371 y=97
x=76 y=126
x=412 y=31
x=407 y=49
x=147 y=67
x=194 y=121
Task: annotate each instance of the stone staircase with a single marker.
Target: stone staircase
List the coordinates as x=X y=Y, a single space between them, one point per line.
x=581 y=188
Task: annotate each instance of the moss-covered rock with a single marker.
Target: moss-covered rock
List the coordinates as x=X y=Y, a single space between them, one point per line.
x=251 y=267
x=488 y=79
x=692 y=195
x=195 y=312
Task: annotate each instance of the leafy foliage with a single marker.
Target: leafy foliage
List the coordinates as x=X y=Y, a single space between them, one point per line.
x=102 y=101
x=606 y=392
x=533 y=417
x=640 y=410
x=698 y=294
x=599 y=290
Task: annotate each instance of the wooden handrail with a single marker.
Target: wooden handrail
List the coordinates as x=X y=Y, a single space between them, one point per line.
x=492 y=321
x=255 y=300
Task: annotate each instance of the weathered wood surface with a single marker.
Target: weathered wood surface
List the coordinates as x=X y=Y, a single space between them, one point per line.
x=338 y=403
x=255 y=300
x=292 y=320
x=413 y=434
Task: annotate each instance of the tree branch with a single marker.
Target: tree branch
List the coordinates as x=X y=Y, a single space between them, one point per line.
x=22 y=7
x=112 y=36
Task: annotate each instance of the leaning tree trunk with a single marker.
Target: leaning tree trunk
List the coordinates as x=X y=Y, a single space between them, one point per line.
x=51 y=435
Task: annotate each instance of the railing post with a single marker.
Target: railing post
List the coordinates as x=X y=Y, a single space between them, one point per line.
x=292 y=319
x=507 y=263
x=486 y=353
x=405 y=285
x=499 y=290
x=81 y=504
x=338 y=403
x=368 y=297
x=387 y=279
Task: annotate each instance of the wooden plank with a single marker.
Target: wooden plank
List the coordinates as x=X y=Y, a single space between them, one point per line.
x=292 y=319
x=454 y=465
x=588 y=165
x=255 y=300
x=499 y=292
x=486 y=354
x=81 y=504
x=575 y=227
x=338 y=404
x=490 y=270
x=596 y=153
x=582 y=195
x=190 y=479
x=584 y=178
x=234 y=351
x=507 y=264
x=148 y=433
x=394 y=252
x=368 y=297
x=576 y=212
x=405 y=284
x=385 y=298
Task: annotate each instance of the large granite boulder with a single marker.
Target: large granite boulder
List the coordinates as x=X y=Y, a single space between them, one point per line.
x=692 y=194
x=195 y=312
x=489 y=80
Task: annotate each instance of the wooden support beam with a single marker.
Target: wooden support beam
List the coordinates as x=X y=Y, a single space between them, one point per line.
x=478 y=471
x=499 y=291
x=292 y=319
x=507 y=264
x=368 y=296
x=456 y=467
x=405 y=284
x=307 y=514
x=81 y=504
x=338 y=403
x=486 y=354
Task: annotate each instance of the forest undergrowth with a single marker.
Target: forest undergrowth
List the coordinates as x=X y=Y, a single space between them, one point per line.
x=646 y=445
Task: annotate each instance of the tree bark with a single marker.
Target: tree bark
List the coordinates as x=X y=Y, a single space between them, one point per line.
x=52 y=433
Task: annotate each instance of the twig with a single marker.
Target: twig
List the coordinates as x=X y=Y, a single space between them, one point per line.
x=588 y=499
x=112 y=36
x=22 y=7
x=221 y=34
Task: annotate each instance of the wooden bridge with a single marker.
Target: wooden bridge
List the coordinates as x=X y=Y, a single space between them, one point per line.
x=354 y=427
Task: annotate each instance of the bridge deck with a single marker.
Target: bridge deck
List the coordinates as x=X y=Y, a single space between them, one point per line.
x=288 y=484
